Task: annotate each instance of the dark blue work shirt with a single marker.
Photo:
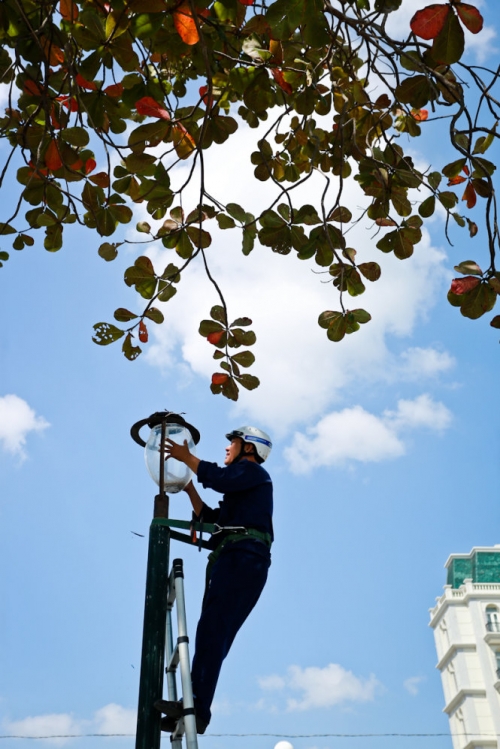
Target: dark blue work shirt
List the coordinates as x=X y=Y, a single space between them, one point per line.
x=248 y=495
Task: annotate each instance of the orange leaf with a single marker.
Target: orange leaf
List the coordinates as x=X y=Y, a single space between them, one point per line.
x=185 y=25
x=385 y=222
x=420 y=115
x=54 y=54
x=456 y=180
x=68 y=102
x=116 y=89
x=470 y=17
x=90 y=165
x=463 y=285
x=466 y=170
x=53 y=159
x=215 y=337
x=470 y=195
x=428 y=22
x=83 y=83
x=219 y=378
x=32 y=88
x=53 y=118
x=143 y=333
x=68 y=10
x=280 y=80
x=148 y=107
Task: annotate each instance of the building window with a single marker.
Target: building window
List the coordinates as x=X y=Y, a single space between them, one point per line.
x=492 y=619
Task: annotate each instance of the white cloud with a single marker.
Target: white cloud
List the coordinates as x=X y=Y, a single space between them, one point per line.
x=412 y=684
x=17 y=420
x=425 y=362
x=354 y=434
x=114 y=718
x=110 y=719
x=322 y=687
x=55 y=724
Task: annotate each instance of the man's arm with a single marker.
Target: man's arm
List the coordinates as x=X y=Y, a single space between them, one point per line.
x=195 y=498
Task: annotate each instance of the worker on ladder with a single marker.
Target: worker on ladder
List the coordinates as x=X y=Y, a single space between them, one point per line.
x=240 y=558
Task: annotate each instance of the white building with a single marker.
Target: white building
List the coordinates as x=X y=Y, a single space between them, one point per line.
x=466 y=624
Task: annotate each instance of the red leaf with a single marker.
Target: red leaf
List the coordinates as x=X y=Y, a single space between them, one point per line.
x=466 y=170
x=207 y=100
x=185 y=25
x=53 y=118
x=83 y=83
x=463 y=285
x=148 y=107
x=53 y=159
x=280 y=80
x=32 y=88
x=143 y=333
x=54 y=54
x=116 y=89
x=101 y=179
x=215 y=337
x=470 y=17
x=420 y=115
x=428 y=22
x=90 y=165
x=219 y=378
x=456 y=180
x=470 y=195
x=68 y=102
x=68 y=10
x=246 y=2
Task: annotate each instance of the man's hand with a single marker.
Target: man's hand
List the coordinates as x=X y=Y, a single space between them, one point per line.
x=179 y=452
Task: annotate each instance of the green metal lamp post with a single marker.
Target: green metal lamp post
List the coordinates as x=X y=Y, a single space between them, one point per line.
x=173 y=476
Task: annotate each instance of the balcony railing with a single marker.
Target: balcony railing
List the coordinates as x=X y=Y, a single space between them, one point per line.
x=492 y=626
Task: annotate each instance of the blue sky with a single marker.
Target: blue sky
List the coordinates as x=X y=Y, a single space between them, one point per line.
x=385 y=462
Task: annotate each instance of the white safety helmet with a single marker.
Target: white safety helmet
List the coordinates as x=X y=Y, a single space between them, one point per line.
x=256 y=437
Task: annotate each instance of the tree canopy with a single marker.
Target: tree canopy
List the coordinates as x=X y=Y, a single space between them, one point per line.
x=154 y=83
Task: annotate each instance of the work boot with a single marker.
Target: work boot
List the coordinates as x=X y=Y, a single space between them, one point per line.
x=172 y=709
x=168 y=724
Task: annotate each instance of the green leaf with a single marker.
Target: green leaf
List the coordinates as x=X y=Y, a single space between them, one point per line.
x=478 y=301
x=199 y=237
x=184 y=247
x=130 y=351
x=225 y=222
x=155 y=315
x=218 y=313
x=124 y=315
x=243 y=337
x=495 y=323
x=108 y=251
x=237 y=212
x=361 y=316
x=167 y=292
x=105 y=333
x=244 y=358
x=6 y=229
x=448 y=199
x=143 y=227
x=249 y=382
x=415 y=91
x=341 y=214
x=454 y=169
x=241 y=321
x=209 y=326
x=428 y=207
x=371 y=271
x=448 y=46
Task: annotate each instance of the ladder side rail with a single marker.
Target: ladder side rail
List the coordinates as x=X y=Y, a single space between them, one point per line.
x=184 y=662
x=171 y=666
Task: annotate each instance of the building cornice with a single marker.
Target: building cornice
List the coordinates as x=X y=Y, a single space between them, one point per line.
x=460 y=697
x=461 y=596
x=455 y=649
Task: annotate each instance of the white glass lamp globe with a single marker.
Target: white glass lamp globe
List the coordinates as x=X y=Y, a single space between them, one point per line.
x=176 y=474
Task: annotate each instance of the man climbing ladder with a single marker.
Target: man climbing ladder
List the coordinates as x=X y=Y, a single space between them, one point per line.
x=239 y=562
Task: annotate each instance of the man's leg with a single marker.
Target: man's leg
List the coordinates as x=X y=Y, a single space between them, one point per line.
x=237 y=580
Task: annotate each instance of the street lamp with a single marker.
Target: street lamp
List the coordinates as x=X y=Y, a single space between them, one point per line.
x=171 y=476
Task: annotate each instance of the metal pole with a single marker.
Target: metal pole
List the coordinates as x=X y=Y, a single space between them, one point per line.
x=155 y=613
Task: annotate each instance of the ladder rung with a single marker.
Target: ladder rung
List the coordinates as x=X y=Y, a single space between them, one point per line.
x=174 y=660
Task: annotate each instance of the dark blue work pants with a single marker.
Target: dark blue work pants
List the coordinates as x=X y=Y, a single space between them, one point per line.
x=236 y=582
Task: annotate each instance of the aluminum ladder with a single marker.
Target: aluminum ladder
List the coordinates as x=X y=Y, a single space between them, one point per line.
x=178 y=655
